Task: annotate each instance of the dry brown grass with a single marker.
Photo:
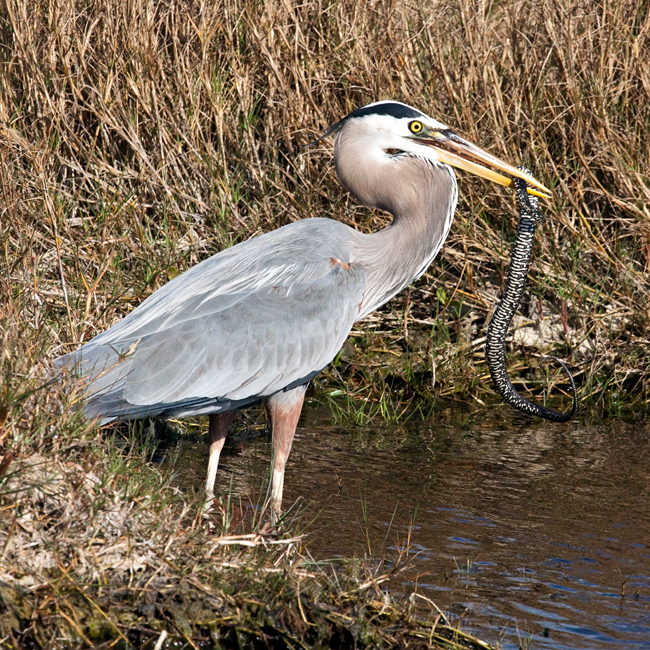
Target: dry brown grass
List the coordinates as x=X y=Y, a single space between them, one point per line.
x=138 y=138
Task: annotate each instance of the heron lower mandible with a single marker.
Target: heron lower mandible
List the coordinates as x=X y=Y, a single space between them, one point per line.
x=256 y=322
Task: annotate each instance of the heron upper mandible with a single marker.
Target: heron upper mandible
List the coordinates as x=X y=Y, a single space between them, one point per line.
x=256 y=322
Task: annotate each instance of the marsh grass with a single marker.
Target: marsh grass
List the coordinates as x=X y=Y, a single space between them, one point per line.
x=138 y=138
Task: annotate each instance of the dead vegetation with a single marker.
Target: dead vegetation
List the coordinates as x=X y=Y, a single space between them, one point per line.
x=99 y=548
x=138 y=138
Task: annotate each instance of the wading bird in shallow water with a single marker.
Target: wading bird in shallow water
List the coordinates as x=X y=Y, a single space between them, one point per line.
x=256 y=322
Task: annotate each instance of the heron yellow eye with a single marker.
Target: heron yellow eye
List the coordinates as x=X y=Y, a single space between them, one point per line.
x=416 y=127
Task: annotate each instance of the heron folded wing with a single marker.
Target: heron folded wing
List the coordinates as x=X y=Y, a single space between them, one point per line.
x=248 y=321
x=256 y=347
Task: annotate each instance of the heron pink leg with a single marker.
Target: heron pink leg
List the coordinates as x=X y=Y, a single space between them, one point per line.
x=284 y=411
x=217 y=431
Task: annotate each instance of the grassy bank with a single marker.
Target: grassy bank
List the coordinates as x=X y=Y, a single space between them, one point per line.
x=138 y=138
x=99 y=548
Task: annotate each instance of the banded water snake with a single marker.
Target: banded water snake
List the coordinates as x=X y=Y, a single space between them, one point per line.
x=529 y=218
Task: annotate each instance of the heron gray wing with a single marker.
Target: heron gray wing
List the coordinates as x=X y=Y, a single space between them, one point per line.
x=247 y=322
x=256 y=347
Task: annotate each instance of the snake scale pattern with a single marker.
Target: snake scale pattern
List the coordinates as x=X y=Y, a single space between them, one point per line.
x=529 y=218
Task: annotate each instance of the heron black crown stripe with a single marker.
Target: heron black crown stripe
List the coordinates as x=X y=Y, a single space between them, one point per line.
x=394 y=109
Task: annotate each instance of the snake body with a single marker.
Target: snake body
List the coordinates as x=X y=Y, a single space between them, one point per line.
x=529 y=218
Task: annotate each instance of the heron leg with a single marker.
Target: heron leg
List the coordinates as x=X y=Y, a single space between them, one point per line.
x=217 y=432
x=283 y=409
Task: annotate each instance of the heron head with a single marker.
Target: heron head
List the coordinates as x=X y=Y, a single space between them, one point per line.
x=385 y=130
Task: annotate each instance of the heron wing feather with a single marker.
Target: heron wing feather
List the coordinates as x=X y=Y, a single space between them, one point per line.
x=275 y=314
x=287 y=335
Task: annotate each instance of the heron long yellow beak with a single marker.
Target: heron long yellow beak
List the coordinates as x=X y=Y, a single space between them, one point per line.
x=457 y=152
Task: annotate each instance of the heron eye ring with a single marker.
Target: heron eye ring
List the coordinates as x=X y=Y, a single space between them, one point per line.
x=416 y=127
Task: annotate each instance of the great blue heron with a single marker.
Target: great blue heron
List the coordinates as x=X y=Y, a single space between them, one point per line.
x=256 y=322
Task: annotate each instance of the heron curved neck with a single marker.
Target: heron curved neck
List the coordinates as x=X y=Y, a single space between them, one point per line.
x=399 y=254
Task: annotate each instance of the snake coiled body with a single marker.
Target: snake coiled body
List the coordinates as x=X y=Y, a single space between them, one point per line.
x=529 y=217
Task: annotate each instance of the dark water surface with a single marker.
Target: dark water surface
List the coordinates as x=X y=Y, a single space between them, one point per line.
x=534 y=534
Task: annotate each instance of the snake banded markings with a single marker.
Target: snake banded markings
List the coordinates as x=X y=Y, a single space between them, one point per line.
x=529 y=218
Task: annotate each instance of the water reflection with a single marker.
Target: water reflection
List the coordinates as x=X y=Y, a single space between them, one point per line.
x=531 y=532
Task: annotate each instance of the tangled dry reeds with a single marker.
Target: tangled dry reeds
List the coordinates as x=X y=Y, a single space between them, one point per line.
x=137 y=138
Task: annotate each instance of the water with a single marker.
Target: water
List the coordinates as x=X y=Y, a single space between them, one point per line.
x=530 y=532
